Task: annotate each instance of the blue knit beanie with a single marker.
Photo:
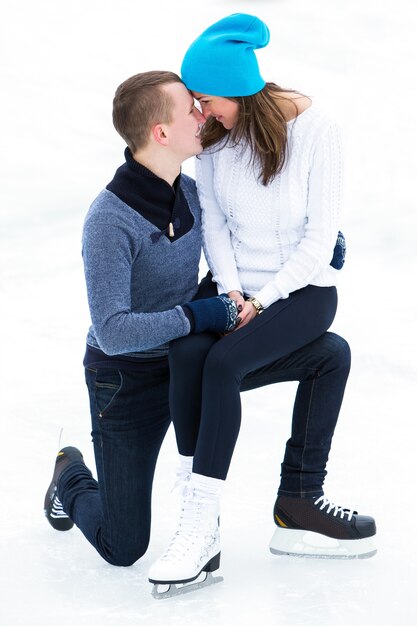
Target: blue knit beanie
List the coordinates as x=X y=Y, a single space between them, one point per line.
x=222 y=61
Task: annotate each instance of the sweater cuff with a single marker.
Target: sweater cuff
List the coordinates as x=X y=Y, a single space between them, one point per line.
x=268 y=295
x=190 y=317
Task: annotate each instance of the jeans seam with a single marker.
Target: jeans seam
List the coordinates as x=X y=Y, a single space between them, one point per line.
x=305 y=438
x=103 y=486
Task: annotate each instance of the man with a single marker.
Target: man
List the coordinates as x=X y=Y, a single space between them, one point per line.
x=141 y=251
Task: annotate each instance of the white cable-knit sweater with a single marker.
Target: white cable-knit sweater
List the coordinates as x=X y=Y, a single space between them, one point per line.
x=270 y=241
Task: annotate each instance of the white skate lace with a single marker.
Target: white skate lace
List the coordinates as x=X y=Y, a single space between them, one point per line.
x=189 y=525
x=181 y=483
x=337 y=509
x=57 y=509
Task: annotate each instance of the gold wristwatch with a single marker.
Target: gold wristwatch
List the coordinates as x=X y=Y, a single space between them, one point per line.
x=258 y=306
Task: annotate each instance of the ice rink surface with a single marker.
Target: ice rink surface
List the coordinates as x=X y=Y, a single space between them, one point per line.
x=60 y=65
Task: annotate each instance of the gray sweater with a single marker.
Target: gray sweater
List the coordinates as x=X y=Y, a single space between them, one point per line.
x=136 y=282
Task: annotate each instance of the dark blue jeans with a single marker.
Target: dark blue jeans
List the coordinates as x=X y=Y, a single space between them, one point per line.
x=285 y=342
x=130 y=416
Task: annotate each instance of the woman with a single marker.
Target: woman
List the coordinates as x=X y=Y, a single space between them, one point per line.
x=269 y=182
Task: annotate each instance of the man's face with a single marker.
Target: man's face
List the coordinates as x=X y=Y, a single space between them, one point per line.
x=183 y=132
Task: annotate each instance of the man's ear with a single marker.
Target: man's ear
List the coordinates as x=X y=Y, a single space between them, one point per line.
x=158 y=133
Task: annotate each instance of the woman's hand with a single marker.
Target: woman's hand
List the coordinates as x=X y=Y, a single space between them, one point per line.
x=247 y=314
x=238 y=298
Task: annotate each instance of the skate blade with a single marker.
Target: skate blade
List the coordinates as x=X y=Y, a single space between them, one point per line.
x=310 y=555
x=177 y=589
x=308 y=544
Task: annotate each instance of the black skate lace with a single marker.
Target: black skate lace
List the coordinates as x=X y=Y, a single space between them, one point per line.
x=338 y=510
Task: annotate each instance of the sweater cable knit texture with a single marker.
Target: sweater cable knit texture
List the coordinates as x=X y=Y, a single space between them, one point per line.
x=268 y=241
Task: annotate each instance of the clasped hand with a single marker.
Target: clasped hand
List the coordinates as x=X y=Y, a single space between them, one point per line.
x=247 y=311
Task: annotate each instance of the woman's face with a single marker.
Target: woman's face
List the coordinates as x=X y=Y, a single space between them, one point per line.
x=224 y=110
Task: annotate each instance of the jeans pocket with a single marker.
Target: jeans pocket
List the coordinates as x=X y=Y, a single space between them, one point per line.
x=108 y=384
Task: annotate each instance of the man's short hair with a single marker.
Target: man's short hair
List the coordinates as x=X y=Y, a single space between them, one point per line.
x=140 y=103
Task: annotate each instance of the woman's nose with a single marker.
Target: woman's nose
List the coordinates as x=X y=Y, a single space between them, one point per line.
x=201 y=117
x=205 y=109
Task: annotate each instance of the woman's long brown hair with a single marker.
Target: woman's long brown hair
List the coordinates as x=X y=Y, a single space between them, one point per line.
x=261 y=125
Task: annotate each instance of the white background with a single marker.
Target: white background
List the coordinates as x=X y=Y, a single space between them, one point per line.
x=60 y=66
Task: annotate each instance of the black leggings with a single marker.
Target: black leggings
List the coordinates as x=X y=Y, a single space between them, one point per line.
x=207 y=372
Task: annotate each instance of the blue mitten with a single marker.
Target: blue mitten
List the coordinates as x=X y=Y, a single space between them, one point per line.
x=218 y=314
x=339 y=252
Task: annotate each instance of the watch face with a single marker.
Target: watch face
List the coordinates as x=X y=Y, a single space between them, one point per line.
x=258 y=306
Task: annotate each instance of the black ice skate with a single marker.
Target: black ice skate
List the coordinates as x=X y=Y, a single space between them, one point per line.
x=316 y=527
x=52 y=506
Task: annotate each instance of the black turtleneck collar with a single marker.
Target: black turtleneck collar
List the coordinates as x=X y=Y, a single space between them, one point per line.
x=153 y=198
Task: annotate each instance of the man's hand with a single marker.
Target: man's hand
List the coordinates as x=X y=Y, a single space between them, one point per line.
x=218 y=314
